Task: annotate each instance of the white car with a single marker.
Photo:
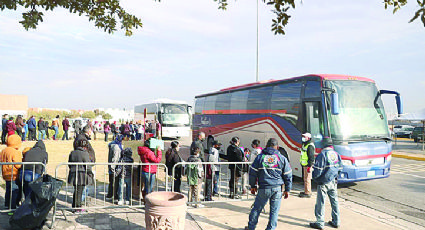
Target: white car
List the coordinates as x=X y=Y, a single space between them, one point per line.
x=403 y=130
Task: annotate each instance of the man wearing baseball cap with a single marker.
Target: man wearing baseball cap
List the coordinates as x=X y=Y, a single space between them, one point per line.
x=307 y=161
x=326 y=170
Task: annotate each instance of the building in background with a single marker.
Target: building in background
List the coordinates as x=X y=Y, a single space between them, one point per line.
x=13 y=104
x=119 y=115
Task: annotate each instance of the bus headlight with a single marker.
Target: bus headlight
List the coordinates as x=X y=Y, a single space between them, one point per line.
x=389 y=158
x=347 y=162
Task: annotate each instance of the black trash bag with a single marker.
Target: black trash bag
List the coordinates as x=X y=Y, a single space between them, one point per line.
x=33 y=212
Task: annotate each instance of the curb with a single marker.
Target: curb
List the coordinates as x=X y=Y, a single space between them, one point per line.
x=410 y=157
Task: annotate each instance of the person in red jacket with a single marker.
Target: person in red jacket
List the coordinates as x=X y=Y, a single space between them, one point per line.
x=149 y=171
x=11 y=127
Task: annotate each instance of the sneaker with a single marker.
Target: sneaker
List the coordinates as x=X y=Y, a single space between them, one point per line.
x=235 y=197
x=79 y=211
x=316 y=225
x=304 y=195
x=331 y=223
x=121 y=202
x=127 y=202
x=199 y=206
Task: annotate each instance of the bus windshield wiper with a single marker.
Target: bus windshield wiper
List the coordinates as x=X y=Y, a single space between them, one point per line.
x=372 y=137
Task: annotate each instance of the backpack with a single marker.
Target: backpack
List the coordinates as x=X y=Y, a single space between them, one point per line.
x=120 y=168
x=192 y=174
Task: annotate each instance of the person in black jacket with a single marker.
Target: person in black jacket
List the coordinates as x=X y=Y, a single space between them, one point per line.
x=92 y=156
x=4 y=129
x=201 y=144
x=86 y=135
x=234 y=154
x=32 y=172
x=172 y=158
x=41 y=129
x=124 y=175
x=47 y=129
x=78 y=174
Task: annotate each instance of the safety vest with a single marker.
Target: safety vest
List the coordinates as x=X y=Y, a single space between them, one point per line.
x=304 y=156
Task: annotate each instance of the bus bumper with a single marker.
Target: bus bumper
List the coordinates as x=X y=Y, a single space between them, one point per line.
x=353 y=173
x=175 y=132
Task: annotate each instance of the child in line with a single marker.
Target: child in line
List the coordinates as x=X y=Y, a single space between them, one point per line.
x=194 y=174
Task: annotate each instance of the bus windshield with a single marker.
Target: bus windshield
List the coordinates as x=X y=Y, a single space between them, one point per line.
x=362 y=116
x=174 y=114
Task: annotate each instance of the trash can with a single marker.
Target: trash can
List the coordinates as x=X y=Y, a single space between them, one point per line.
x=165 y=210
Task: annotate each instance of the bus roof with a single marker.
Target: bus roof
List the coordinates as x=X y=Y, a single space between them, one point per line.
x=165 y=101
x=318 y=76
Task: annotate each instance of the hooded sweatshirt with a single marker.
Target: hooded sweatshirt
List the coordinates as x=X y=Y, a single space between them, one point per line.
x=114 y=154
x=11 y=127
x=11 y=154
x=36 y=154
x=271 y=169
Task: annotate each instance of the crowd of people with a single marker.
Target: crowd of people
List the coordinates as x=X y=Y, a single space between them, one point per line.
x=33 y=130
x=265 y=172
x=269 y=175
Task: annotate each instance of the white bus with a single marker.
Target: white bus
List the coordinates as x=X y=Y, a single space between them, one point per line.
x=174 y=116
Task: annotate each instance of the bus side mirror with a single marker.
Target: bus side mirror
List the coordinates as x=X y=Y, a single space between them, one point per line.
x=399 y=103
x=334 y=104
x=398 y=100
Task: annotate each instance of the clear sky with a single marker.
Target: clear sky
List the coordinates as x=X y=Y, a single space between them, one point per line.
x=189 y=47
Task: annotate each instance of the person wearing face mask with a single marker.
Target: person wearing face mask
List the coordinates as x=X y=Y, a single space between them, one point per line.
x=307 y=161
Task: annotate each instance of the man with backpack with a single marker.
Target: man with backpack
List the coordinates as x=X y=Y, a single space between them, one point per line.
x=123 y=174
x=194 y=174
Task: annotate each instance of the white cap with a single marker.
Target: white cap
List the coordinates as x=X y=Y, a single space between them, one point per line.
x=307 y=135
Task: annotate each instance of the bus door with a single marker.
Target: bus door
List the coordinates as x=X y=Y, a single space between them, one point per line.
x=313 y=120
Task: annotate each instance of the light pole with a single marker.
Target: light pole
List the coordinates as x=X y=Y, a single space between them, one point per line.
x=257 y=77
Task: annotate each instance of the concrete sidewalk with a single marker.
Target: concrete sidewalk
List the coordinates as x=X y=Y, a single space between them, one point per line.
x=295 y=213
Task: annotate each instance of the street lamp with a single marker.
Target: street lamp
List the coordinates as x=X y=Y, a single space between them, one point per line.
x=257 y=77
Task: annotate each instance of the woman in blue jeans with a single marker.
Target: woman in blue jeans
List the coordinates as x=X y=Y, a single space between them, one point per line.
x=31 y=172
x=149 y=171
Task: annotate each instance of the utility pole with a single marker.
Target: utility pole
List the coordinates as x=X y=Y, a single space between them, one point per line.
x=257 y=77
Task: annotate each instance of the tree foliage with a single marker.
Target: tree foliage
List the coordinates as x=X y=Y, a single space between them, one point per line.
x=106 y=116
x=50 y=114
x=88 y=114
x=106 y=14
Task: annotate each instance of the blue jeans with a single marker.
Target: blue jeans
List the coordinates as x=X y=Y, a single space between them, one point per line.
x=27 y=178
x=127 y=182
x=264 y=195
x=65 y=135
x=10 y=201
x=216 y=178
x=149 y=179
x=42 y=132
x=55 y=136
x=331 y=190
x=85 y=193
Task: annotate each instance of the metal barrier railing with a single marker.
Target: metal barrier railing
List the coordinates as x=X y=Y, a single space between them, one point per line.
x=227 y=182
x=25 y=173
x=94 y=190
